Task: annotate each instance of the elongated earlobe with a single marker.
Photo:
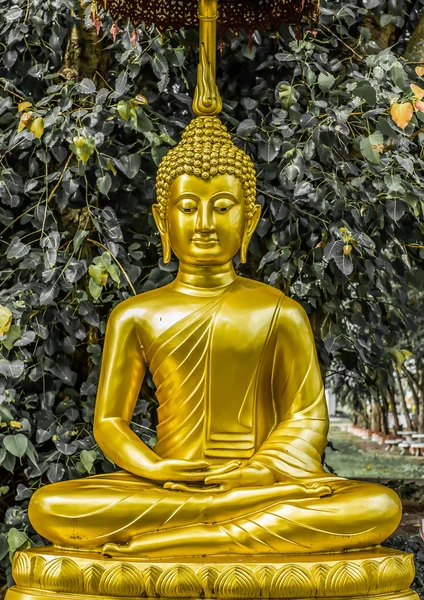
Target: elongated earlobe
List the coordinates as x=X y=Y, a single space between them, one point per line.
x=248 y=232
x=162 y=225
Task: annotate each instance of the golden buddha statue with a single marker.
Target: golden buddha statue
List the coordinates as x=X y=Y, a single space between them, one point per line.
x=242 y=418
x=233 y=501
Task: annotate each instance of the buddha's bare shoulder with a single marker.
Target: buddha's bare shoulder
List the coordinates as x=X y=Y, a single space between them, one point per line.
x=142 y=305
x=290 y=312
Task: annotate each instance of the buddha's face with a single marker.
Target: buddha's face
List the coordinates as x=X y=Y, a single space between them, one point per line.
x=206 y=219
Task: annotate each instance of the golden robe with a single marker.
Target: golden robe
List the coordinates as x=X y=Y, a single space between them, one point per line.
x=209 y=375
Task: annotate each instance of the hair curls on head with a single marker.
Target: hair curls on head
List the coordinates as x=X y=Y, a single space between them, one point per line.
x=206 y=150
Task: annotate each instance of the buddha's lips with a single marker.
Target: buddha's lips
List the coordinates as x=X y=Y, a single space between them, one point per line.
x=204 y=242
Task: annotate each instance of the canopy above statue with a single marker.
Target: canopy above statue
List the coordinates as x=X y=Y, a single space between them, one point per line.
x=232 y=14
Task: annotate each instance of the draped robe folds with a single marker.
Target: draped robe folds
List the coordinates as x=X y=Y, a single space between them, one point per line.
x=238 y=378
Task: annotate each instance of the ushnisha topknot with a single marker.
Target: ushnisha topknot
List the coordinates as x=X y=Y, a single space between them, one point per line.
x=206 y=150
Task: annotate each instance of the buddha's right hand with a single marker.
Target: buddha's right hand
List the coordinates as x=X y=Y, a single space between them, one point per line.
x=170 y=470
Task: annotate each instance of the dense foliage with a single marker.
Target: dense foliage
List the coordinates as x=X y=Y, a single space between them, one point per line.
x=84 y=122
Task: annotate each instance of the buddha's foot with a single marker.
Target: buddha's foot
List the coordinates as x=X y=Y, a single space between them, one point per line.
x=52 y=574
x=114 y=549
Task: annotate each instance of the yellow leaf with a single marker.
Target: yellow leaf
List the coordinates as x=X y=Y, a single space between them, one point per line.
x=99 y=274
x=418 y=92
x=140 y=99
x=26 y=118
x=5 y=319
x=419 y=105
x=23 y=106
x=79 y=141
x=15 y=424
x=37 y=127
x=21 y=126
x=111 y=167
x=401 y=113
x=419 y=71
x=347 y=249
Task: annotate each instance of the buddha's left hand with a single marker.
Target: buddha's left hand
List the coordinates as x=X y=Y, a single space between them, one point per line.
x=253 y=475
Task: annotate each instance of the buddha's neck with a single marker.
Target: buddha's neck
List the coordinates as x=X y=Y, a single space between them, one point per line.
x=203 y=277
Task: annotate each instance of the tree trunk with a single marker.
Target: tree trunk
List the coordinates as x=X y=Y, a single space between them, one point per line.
x=403 y=401
x=421 y=407
x=375 y=416
x=382 y=36
x=85 y=53
x=415 y=47
x=393 y=408
x=414 y=385
x=384 y=412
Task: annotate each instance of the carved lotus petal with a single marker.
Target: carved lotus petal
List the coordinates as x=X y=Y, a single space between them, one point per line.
x=208 y=577
x=92 y=575
x=21 y=569
x=178 y=582
x=150 y=575
x=319 y=574
x=264 y=576
x=372 y=568
x=37 y=567
x=237 y=582
x=394 y=575
x=61 y=575
x=292 y=581
x=122 y=580
x=347 y=579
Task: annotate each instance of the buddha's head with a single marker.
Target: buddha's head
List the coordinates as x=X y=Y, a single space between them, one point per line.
x=206 y=192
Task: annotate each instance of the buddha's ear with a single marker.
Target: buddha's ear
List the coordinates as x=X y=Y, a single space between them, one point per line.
x=248 y=231
x=162 y=225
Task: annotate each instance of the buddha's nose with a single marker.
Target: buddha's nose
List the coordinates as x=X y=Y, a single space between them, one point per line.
x=205 y=221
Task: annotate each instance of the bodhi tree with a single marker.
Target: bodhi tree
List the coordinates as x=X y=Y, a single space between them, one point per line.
x=334 y=123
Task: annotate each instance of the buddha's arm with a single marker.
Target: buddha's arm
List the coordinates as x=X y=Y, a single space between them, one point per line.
x=294 y=448
x=121 y=376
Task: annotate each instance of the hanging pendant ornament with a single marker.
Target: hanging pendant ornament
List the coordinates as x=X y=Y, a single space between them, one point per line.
x=207 y=100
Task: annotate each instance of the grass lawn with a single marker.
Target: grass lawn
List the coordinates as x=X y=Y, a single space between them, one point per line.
x=359 y=458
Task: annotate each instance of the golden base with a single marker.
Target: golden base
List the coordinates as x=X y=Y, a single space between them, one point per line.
x=377 y=573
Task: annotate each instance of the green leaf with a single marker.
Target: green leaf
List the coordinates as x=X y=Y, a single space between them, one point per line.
x=395 y=208
x=369 y=145
x=326 y=81
x=367 y=92
x=114 y=272
x=158 y=152
x=87 y=457
x=130 y=165
x=12 y=335
x=344 y=263
x=104 y=184
x=398 y=76
x=16 y=444
x=95 y=290
x=144 y=124
x=288 y=96
x=124 y=110
x=16 y=539
x=268 y=150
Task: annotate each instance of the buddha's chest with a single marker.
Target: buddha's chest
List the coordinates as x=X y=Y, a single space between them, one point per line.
x=211 y=369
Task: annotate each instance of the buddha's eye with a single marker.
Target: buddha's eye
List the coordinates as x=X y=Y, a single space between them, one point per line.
x=187 y=206
x=223 y=205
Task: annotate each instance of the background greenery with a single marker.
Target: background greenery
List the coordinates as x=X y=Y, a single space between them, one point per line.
x=85 y=118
